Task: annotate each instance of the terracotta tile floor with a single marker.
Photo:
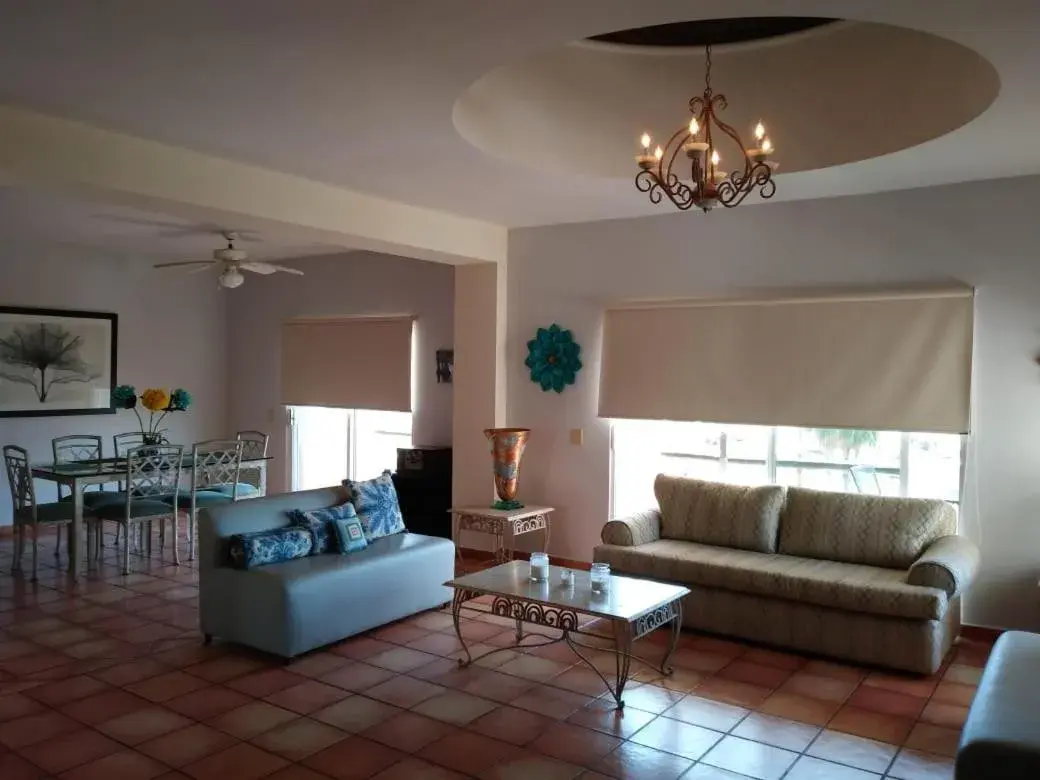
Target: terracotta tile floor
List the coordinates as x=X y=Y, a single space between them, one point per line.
x=107 y=678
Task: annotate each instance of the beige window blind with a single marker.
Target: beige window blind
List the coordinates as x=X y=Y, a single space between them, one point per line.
x=353 y=363
x=892 y=361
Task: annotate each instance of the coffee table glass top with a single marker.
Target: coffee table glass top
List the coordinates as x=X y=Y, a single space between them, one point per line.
x=626 y=598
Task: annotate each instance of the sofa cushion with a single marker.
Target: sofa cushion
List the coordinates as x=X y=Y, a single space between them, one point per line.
x=376 y=503
x=247 y=551
x=854 y=528
x=745 y=518
x=867 y=589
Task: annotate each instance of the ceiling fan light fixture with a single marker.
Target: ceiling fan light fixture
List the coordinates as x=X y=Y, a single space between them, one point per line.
x=231 y=278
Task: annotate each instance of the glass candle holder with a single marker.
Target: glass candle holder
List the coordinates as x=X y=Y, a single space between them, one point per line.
x=599 y=577
x=566 y=578
x=539 y=567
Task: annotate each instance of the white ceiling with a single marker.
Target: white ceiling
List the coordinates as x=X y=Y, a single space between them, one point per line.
x=359 y=93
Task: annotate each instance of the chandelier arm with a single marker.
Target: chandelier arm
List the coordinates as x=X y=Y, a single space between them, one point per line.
x=733 y=191
x=728 y=130
x=647 y=181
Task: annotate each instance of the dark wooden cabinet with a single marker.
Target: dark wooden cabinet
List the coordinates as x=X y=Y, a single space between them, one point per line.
x=423 y=482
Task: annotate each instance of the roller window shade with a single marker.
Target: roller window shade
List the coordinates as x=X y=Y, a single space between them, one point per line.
x=887 y=362
x=356 y=363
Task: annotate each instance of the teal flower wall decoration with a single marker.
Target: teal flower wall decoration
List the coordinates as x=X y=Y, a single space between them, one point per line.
x=553 y=357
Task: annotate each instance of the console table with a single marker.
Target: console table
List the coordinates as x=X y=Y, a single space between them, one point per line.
x=504 y=524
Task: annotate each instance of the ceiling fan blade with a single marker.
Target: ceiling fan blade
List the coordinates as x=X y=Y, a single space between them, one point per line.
x=258 y=267
x=202 y=269
x=286 y=269
x=184 y=264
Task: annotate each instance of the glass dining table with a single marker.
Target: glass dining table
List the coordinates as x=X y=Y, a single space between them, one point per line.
x=77 y=475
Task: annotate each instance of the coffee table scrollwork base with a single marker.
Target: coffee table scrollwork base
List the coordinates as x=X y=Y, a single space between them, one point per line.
x=568 y=622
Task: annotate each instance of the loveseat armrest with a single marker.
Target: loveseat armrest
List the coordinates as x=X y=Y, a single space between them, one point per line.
x=949 y=564
x=640 y=528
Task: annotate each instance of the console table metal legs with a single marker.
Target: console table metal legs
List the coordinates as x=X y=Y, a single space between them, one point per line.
x=625 y=633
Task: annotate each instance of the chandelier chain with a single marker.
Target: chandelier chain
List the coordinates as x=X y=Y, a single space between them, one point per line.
x=707 y=70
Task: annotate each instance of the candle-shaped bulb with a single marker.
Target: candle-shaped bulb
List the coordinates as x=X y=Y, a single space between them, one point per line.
x=658 y=152
x=760 y=131
x=715 y=159
x=767 y=145
x=694 y=127
x=645 y=141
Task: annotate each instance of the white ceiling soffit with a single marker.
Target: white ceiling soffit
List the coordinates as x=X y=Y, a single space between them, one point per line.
x=359 y=95
x=821 y=106
x=37 y=149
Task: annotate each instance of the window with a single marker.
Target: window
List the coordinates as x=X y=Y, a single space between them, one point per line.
x=329 y=444
x=919 y=465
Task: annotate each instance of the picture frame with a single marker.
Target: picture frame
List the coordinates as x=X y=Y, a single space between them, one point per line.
x=445 y=366
x=57 y=361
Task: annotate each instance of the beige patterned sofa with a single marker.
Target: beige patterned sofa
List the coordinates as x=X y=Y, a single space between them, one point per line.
x=870 y=579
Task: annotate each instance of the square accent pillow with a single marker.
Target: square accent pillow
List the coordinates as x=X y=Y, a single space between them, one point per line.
x=376 y=503
x=349 y=533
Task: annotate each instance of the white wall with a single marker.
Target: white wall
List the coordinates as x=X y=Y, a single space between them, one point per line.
x=984 y=234
x=354 y=284
x=171 y=334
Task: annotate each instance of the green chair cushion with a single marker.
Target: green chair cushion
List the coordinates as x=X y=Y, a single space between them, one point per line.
x=141 y=507
x=95 y=497
x=58 y=512
x=245 y=490
x=208 y=498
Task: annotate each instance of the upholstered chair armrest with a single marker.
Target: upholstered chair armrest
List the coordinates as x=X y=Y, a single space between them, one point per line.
x=640 y=528
x=949 y=563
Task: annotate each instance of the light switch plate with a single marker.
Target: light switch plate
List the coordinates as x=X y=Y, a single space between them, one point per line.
x=577 y=436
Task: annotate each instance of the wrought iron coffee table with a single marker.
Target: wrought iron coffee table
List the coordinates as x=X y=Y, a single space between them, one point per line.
x=632 y=607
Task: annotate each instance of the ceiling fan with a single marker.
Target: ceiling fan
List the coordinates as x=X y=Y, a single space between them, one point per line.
x=231 y=262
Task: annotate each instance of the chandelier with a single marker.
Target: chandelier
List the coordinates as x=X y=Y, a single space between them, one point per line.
x=708 y=184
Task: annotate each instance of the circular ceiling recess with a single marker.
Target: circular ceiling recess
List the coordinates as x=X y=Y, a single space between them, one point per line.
x=717 y=32
x=830 y=92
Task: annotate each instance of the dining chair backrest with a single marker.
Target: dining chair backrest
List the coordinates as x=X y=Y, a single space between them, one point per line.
x=124 y=442
x=216 y=462
x=154 y=470
x=69 y=449
x=254 y=443
x=77 y=447
x=19 y=478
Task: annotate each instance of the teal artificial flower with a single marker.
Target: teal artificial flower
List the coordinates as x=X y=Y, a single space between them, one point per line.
x=180 y=400
x=553 y=357
x=124 y=397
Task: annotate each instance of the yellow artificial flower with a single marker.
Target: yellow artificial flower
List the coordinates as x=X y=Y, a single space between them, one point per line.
x=155 y=399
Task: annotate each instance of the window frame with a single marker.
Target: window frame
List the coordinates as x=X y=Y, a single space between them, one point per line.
x=772 y=463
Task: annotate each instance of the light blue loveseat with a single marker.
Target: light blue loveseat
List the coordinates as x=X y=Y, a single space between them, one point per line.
x=292 y=607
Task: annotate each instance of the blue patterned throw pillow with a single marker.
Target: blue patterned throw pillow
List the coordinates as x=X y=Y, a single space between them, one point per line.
x=319 y=529
x=349 y=533
x=376 y=503
x=275 y=545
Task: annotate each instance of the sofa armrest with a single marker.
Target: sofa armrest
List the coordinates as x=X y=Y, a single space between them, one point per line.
x=949 y=564
x=640 y=528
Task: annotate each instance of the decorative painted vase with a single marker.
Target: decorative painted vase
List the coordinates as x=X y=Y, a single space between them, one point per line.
x=507 y=447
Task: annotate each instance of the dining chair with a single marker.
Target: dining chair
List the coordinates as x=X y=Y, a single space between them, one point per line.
x=27 y=511
x=214 y=463
x=70 y=449
x=124 y=442
x=254 y=445
x=153 y=473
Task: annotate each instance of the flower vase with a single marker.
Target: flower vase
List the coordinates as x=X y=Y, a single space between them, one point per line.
x=507 y=447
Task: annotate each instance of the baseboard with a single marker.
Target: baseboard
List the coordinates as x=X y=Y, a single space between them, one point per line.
x=981 y=633
x=486 y=555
